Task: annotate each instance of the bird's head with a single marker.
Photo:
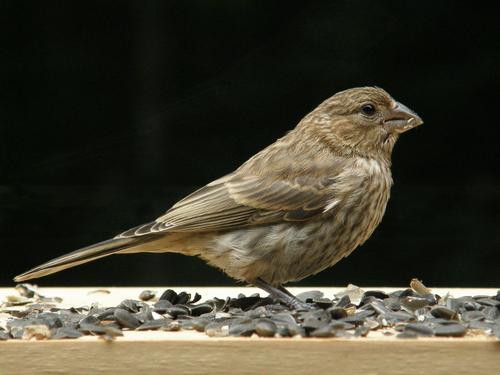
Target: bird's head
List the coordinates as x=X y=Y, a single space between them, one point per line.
x=365 y=119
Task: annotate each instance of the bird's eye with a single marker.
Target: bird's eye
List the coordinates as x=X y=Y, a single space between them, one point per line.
x=368 y=109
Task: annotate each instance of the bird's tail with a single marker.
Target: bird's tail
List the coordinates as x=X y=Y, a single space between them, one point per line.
x=80 y=256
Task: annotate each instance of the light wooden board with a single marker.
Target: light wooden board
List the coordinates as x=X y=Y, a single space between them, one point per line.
x=188 y=352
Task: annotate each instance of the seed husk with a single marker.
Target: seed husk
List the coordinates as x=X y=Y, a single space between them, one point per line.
x=26 y=290
x=17 y=300
x=39 y=332
x=412 y=303
x=419 y=287
x=354 y=293
x=309 y=296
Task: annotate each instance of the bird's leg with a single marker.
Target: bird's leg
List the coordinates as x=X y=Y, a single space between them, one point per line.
x=284 y=290
x=283 y=295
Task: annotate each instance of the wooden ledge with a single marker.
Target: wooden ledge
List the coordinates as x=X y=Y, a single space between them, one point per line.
x=189 y=352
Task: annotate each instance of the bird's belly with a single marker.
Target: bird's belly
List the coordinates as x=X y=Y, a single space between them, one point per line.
x=276 y=253
x=292 y=251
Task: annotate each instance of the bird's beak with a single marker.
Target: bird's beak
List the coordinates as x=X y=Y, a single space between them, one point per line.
x=401 y=118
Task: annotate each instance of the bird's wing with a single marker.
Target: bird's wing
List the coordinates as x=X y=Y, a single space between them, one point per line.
x=237 y=201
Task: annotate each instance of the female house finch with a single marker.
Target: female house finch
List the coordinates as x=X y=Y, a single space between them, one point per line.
x=292 y=210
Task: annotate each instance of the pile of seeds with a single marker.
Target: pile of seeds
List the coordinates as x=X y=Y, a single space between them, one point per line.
x=407 y=313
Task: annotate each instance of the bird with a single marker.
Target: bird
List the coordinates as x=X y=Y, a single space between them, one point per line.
x=292 y=210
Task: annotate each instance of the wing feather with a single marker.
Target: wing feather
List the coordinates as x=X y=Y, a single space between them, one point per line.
x=234 y=201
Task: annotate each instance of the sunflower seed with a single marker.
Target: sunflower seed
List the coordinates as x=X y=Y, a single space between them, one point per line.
x=359 y=317
x=172 y=326
x=200 y=323
x=379 y=294
x=444 y=313
x=161 y=306
x=202 y=308
x=131 y=305
x=66 y=333
x=337 y=312
x=153 y=325
x=217 y=329
x=322 y=303
x=147 y=295
x=473 y=315
x=420 y=329
x=486 y=301
x=454 y=330
x=182 y=298
x=407 y=335
x=126 y=319
x=177 y=311
x=242 y=329
x=362 y=330
x=323 y=331
x=315 y=319
x=168 y=295
x=491 y=313
x=344 y=301
x=266 y=328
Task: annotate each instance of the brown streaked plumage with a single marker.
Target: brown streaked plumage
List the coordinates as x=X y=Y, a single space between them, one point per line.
x=292 y=210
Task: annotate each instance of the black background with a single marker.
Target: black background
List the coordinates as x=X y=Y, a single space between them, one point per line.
x=111 y=111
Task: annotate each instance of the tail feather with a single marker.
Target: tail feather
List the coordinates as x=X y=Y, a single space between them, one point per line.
x=80 y=256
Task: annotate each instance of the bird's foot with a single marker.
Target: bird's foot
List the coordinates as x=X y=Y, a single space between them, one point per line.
x=280 y=293
x=296 y=304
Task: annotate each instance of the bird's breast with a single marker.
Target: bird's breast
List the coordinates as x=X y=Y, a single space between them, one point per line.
x=363 y=207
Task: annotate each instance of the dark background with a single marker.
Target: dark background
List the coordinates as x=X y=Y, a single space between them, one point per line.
x=111 y=111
